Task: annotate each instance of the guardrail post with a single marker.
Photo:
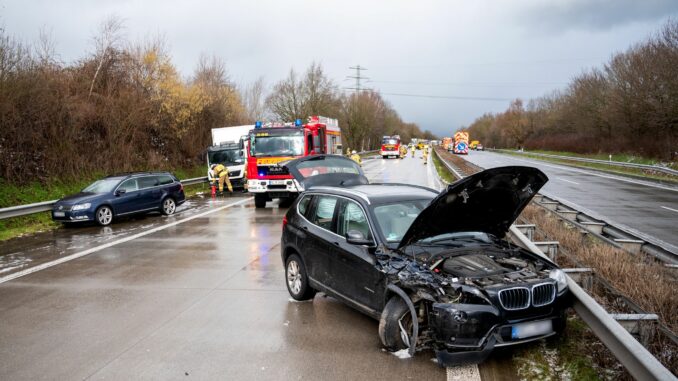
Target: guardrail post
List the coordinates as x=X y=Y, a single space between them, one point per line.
x=570 y=215
x=550 y=205
x=593 y=227
x=641 y=326
x=582 y=275
x=631 y=245
x=528 y=230
x=550 y=248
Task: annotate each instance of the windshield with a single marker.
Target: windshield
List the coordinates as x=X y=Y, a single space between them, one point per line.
x=277 y=145
x=395 y=219
x=389 y=141
x=226 y=157
x=103 y=186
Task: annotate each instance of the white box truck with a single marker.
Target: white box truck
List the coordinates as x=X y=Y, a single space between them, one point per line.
x=229 y=147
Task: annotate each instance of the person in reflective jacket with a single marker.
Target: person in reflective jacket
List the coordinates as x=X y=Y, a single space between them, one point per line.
x=403 y=151
x=425 y=155
x=355 y=157
x=221 y=172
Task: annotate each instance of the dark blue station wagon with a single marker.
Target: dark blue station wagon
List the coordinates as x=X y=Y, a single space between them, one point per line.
x=121 y=195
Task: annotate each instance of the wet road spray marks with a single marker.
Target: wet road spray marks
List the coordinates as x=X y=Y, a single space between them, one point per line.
x=122 y=240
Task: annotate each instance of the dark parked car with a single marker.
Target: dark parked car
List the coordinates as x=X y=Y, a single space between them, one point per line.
x=433 y=268
x=121 y=195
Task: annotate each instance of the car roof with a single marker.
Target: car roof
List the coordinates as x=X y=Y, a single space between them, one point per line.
x=381 y=193
x=133 y=174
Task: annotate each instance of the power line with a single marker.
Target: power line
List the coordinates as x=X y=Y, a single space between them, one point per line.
x=449 y=97
x=478 y=84
x=358 y=77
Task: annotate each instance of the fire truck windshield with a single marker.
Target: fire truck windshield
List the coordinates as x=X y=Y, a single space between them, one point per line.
x=389 y=141
x=265 y=144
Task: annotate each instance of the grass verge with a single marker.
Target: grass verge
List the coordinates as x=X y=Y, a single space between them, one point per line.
x=442 y=170
x=12 y=195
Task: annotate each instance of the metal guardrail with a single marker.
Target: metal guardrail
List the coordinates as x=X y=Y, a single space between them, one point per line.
x=38 y=207
x=596 y=161
x=639 y=362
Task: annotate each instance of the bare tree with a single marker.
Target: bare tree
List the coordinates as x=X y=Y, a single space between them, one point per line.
x=286 y=100
x=108 y=38
x=252 y=96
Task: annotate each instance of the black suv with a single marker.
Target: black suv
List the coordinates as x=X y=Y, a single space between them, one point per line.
x=432 y=267
x=121 y=195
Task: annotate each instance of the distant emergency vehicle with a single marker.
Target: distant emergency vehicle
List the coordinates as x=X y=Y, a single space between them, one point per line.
x=390 y=146
x=461 y=143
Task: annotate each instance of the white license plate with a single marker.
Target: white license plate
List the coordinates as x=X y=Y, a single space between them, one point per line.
x=59 y=214
x=536 y=328
x=277 y=182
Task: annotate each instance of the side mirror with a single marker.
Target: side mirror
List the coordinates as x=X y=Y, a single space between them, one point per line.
x=354 y=237
x=120 y=192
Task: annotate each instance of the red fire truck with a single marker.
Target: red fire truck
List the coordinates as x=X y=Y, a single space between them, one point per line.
x=275 y=142
x=390 y=146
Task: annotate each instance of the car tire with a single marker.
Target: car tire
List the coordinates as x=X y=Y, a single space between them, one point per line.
x=104 y=215
x=168 y=206
x=296 y=279
x=395 y=314
x=260 y=200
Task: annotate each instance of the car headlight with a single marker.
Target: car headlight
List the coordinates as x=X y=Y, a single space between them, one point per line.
x=81 y=206
x=560 y=278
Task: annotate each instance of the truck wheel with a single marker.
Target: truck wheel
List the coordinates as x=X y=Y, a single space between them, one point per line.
x=260 y=200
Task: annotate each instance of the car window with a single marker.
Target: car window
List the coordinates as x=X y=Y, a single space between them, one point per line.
x=147 y=182
x=165 y=179
x=395 y=219
x=302 y=207
x=352 y=217
x=129 y=185
x=324 y=211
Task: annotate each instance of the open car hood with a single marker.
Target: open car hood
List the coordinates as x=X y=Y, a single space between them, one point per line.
x=325 y=170
x=488 y=201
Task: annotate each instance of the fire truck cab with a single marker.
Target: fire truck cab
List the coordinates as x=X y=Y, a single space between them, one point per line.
x=390 y=146
x=273 y=143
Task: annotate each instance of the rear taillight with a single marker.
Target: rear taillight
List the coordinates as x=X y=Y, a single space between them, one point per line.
x=284 y=221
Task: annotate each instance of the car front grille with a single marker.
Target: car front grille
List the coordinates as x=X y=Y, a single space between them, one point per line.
x=543 y=294
x=62 y=208
x=515 y=298
x=234 y=174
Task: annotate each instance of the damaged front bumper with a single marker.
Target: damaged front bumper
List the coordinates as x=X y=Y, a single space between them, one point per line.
x=467 y=333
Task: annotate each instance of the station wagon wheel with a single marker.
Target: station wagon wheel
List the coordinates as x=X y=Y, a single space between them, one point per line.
x=104 y=215
x=297 y=279
x=168 y=206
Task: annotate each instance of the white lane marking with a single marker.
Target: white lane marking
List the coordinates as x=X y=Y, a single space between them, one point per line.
x=671 y=209
x=591 y=173
x=568 y=181
x=71 y=257
x=464 y=373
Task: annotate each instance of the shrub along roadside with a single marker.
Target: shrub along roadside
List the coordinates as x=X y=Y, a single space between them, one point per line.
x=13 y=195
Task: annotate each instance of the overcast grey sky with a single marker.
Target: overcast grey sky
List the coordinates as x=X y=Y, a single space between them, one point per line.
x=478 y=53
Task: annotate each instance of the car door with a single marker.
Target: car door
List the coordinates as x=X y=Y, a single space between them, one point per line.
x=126 y=198
x=151 y=193
x=320 y=233
x=354 y=265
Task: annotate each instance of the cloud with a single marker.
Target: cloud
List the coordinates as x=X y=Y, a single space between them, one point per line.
x=565 y=15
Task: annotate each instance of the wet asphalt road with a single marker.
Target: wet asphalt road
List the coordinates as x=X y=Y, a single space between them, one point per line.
x=646 y=208
x=202 y=299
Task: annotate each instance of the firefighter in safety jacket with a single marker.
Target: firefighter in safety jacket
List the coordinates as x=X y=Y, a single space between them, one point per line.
x=355 y=157
x=221 y=172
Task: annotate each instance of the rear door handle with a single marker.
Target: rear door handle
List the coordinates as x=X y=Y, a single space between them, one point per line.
x=305 y=228
x=336 y=243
